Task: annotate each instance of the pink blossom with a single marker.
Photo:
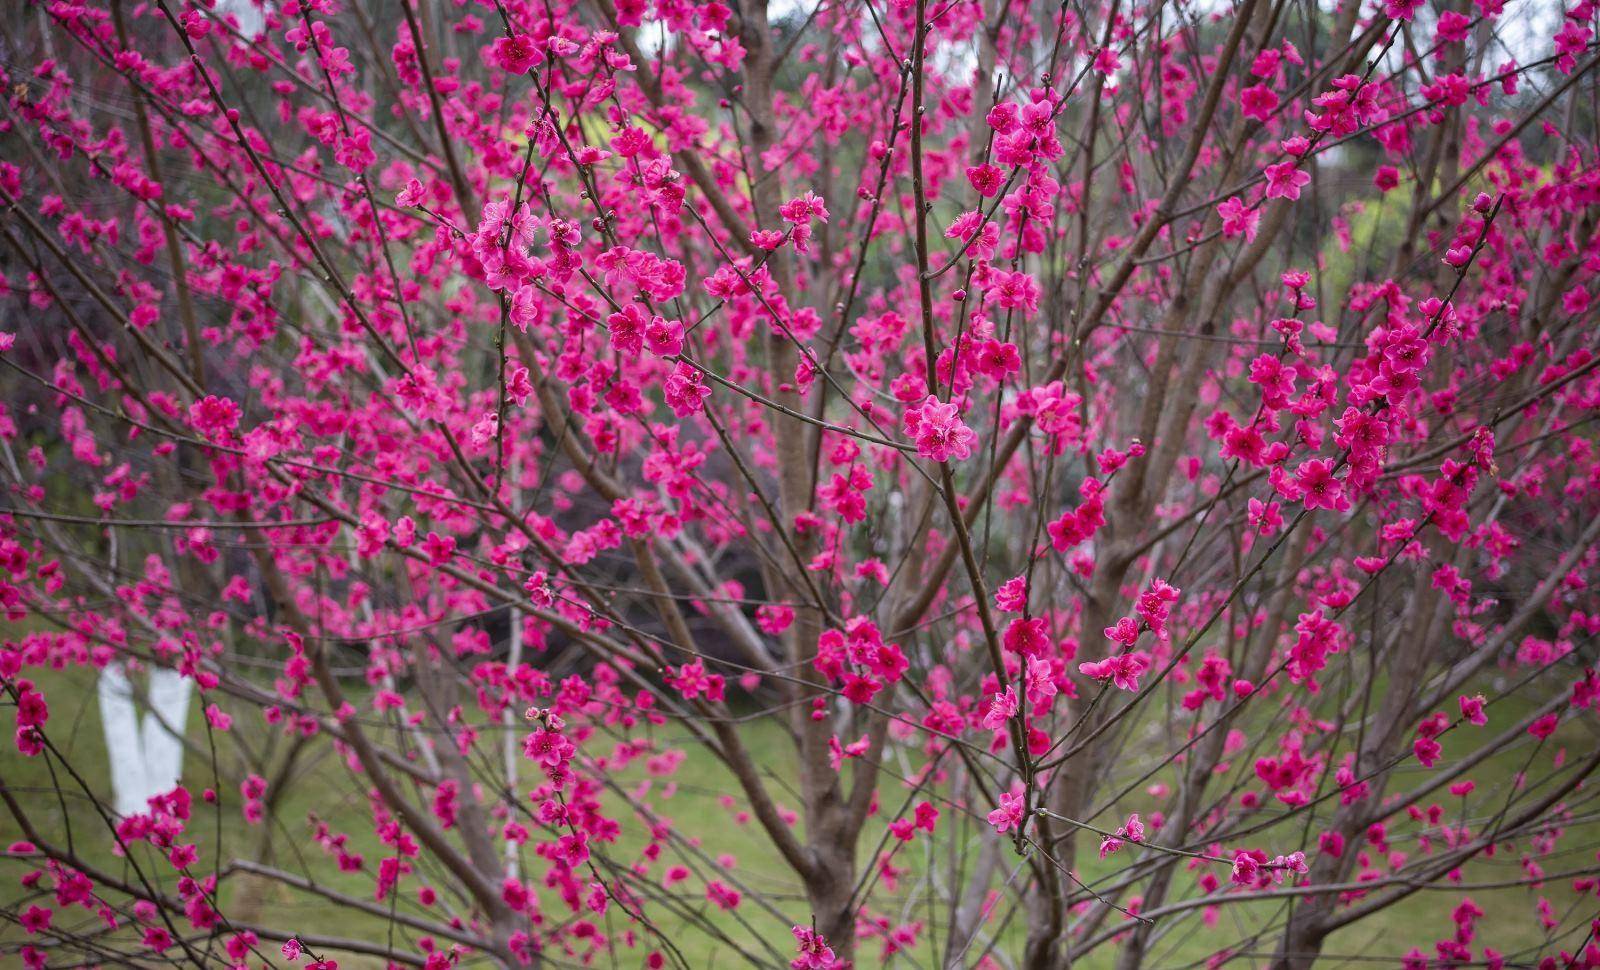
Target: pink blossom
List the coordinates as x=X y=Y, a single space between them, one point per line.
x=939 y=431
x=1284 y=180
x=1001 y=709
x=1238 y=219
x=664 y=337
x=214 y=417
x=1319 y=487
x=685 y=391
x=815 y=953
x=1011 y=814
x=36 y=919
x=1123 y=670
x=515 y=54
x=411 y=195
x=1257 y=101
x=1132 y=829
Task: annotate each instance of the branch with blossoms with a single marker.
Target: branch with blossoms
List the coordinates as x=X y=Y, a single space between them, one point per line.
x=965 y=482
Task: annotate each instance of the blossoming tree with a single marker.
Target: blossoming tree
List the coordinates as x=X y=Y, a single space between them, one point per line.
x=1042 y=482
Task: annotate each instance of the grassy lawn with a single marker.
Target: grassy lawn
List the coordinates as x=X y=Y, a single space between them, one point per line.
x=710 y=828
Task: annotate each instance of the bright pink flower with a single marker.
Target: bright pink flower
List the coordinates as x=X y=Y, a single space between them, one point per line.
x=685 y=391
x=1011 y=813
x=1575 y=301
x=1154 y=605
x=627 y=329
x=724 y=897
x=1265 y=517
x=1246 y=867
x=1125 y=631
x=1001 y=709
x=664 y=337
x=1028 y=637
x=1015 y=291
x=939 y=431
x=1453 y=26
x=36 y=919
x=815 y=953
x=986 y=179
x=1318 y=486
x=1238 y=219
x=515 y=54
x=214 y=417
x=1123 y=670
x=1284 y=180
x=1011 y=596
x=411 y=195
x=1257 y=101
x=1132 y=829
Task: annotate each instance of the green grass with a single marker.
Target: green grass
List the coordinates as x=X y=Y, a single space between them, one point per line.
x=323 y=791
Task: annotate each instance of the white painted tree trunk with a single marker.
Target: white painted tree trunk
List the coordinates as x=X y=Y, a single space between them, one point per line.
x=146 y=754
x=509 y=718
